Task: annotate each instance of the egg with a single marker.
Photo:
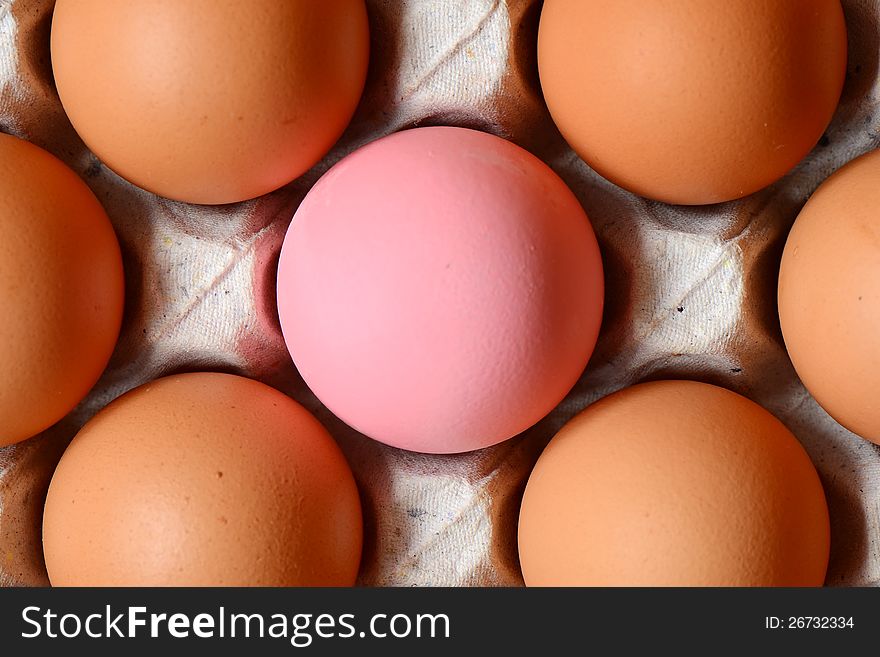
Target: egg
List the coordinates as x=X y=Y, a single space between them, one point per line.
x=61 y=289
x=829 y=302
x=210 y=101
x=202 y=479
x=674 y=483
x=440 y=289
x=692 y=101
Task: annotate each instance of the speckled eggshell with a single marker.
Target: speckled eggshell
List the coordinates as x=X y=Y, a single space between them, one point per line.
x=61 y=289
x=829 y=299
x=692 y=101
x=210 y=101
x=674 y=483
x=440 y=289
x=203 y=480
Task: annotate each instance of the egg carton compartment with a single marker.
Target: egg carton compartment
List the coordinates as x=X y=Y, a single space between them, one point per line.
x=690 y=291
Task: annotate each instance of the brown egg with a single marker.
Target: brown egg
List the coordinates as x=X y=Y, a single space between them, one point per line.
x=829 y=299
x=674 y=483
x=203 y=480
x=210 y=101
x=61 y=289
x=692 y=101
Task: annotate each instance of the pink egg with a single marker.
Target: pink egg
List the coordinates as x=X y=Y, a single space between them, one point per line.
x=440 y=290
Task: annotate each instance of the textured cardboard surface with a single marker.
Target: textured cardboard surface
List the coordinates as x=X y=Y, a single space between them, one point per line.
x=690 y=291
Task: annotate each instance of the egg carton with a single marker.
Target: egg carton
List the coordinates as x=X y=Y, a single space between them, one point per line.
x=691 y=291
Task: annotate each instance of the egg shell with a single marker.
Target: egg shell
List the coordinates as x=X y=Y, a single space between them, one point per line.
x=440 y=290
x=674 y=483
x=829 y=300
x=61 y=289
x=692 y=101
x=203 y=479
x=210 y=101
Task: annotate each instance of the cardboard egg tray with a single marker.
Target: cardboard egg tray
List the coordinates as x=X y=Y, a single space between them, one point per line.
x=691 y=291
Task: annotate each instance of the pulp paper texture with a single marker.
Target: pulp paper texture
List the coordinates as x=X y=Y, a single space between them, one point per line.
x=690 y=291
